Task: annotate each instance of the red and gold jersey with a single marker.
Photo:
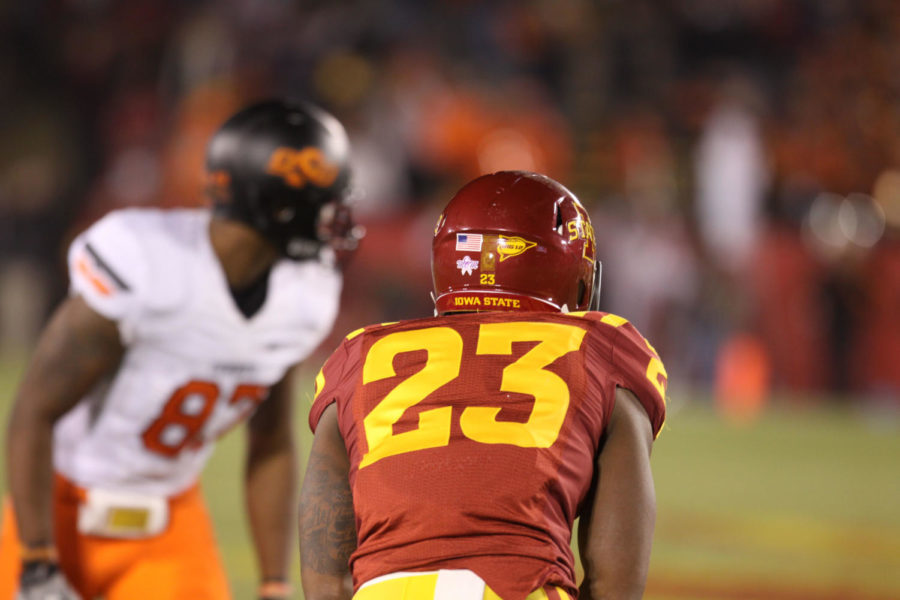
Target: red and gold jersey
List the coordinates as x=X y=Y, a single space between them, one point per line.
x=472 y=438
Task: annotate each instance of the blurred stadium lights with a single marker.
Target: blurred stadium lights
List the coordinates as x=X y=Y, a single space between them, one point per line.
x=837 y=224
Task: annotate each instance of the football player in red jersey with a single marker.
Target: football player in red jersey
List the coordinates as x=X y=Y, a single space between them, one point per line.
x=453 y=454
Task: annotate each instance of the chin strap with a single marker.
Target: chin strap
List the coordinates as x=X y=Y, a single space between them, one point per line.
x=595 y=289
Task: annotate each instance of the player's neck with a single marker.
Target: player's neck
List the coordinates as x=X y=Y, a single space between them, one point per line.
x=243 y=253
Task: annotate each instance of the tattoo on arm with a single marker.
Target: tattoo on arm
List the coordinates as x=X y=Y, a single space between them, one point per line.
x=328 y=526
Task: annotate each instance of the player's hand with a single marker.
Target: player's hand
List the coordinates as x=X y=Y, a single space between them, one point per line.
x=42 y=580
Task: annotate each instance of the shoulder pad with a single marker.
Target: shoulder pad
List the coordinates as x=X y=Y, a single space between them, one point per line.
x=135 y=259
x=368 y=328
x=639 y=368
x=107 y=267
x=171 y=241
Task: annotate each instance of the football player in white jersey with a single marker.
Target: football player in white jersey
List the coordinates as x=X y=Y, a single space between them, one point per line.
x=180 y=325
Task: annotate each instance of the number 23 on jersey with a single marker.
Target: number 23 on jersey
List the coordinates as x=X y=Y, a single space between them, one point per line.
x=444 y=346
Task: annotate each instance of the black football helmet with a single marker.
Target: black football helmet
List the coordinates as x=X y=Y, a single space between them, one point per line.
x=283 y=168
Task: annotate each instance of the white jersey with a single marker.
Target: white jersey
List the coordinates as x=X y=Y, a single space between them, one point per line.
x=194 y=365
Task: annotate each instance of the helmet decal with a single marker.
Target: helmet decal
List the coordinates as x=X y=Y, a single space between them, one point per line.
x=297 y=167
x=466 y=265
x=469 y=241
x=489 y=254
x=509 y=246
x=580 y=228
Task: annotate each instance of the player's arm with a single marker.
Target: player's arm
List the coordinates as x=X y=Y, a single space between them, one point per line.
x=616 y=534
x=270 y=484
x=76 y=349
x=327 y=523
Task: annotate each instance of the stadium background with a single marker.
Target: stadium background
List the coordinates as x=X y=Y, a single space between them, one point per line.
x=740 y=160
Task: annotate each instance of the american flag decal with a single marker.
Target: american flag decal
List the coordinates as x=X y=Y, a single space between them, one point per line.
x=469 y=241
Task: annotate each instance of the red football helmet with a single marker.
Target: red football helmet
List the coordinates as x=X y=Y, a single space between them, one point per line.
x=514 y=240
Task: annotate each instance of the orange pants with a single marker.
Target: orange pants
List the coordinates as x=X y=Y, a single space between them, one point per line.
x=183 y=562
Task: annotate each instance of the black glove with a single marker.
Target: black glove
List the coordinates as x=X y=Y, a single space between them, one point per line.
x=42 y=580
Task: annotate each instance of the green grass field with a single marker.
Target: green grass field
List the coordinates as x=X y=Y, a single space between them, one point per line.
x=801 y=504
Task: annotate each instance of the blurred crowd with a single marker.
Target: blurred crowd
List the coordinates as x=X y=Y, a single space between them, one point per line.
x=740 y=158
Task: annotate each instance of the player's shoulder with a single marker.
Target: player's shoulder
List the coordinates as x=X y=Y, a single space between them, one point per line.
x=636 y=363
x=320 y=274
x=609 y=324
x=365 y=336
x=150 y=251
x=173 y=222
x=606 y=325
x=349 y=353
x=598 y=317
x=384 y=328
x=150 y=232
x=614 y=335
x=304 y=296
